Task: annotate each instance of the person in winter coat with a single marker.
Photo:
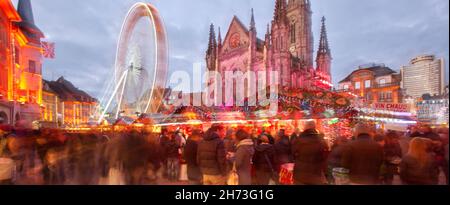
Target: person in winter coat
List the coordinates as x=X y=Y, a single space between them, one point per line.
x=419 y=166
x=243 y=157
x=392 y=157
x=335 y=157
x=163 y=140
x=438 y=148
x=283 y=149
x=265 y=132
x=230 y=147
x=363 y=157
x=211 y=157
x=309 y=156
x=173 y=158
x=295 y=135
x=264 y=161
x=190 y=156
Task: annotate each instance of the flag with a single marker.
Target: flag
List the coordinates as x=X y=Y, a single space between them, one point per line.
x=48 y=50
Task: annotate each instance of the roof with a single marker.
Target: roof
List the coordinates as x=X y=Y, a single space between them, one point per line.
x=9 y=10
x=376 y=70
x=66 y=91
x=27 y=25
x=46 y=86
x=259 y=43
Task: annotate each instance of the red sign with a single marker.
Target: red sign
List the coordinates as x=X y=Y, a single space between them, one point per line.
x=394 y=107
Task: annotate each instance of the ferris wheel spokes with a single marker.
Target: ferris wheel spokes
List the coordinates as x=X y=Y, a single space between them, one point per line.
x=122 y=79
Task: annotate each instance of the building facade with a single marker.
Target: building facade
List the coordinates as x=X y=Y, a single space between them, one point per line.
x=287 y=48
x=424 y=75
x=20 y=64
x=374 y=84
x=66 y=105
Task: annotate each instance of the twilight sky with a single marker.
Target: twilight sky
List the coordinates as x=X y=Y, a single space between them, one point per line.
x=359 y=32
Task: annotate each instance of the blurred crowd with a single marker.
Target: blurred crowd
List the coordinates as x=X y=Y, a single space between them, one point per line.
x=223 y=155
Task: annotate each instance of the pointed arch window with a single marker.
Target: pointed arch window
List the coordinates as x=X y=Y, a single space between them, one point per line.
x=293 y=36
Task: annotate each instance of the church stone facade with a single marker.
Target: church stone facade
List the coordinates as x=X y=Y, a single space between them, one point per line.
x=288 y=48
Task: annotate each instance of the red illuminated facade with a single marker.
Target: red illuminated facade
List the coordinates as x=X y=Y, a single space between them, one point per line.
x=20 y=64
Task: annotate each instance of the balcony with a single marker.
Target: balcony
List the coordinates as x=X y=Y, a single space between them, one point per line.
x=385 y=85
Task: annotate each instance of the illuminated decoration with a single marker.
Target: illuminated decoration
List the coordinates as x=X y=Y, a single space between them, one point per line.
x=48 y=50
x=433 y=111
x=141 y=64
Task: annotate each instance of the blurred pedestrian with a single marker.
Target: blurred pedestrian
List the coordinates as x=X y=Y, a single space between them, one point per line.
x=438 y=148
x=295 y=135
x=264 y=161
x=309 y=152
x=190 y=156
x=419 y=167
x=283 y=148
x=392 y=157
x=363 y=157
x=335 y=158
x=243 y=158
x=211 y=157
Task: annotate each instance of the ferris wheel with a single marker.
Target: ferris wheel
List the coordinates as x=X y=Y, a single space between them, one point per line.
x=141 y=64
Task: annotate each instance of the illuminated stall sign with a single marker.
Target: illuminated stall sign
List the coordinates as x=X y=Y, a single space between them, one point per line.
x=433 y=111
x=393 y=107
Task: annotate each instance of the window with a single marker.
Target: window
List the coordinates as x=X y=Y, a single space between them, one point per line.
x=346 y=87
x=32 y=66
x=357 y=85
x=293 y=37
x=367 y=84
x=3 y=43
x=17 y=55
x=382 y=81
x=381 y=96
x=369 y=96
x=389 y=96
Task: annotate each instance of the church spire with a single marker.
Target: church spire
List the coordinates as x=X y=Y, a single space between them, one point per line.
x=211 y=53
x=25 y=11
x=267 y=39
x=323 y=61
x=280 y=11
x=219 y=38
x=324 y=48
x=252 y=22
x=212 y=40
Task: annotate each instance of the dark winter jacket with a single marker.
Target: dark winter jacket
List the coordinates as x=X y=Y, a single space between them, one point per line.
x=265 y=154
x=171 y=149
x=310 y=156
x=211 y=155
x=163 y=140
x=271 y=139
x=363 y=158
x=190 y=152
x=230 y=145
x=283 y=151
x=412 y=173
x=335 y=157
x=190 y=156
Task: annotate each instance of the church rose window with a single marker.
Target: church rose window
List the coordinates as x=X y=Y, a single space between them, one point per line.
x=235 y=40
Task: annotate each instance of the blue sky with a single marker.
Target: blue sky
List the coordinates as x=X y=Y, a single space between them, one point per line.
x=359 y=31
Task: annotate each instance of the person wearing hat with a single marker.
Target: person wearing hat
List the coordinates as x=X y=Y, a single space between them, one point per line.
x=363 y=157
